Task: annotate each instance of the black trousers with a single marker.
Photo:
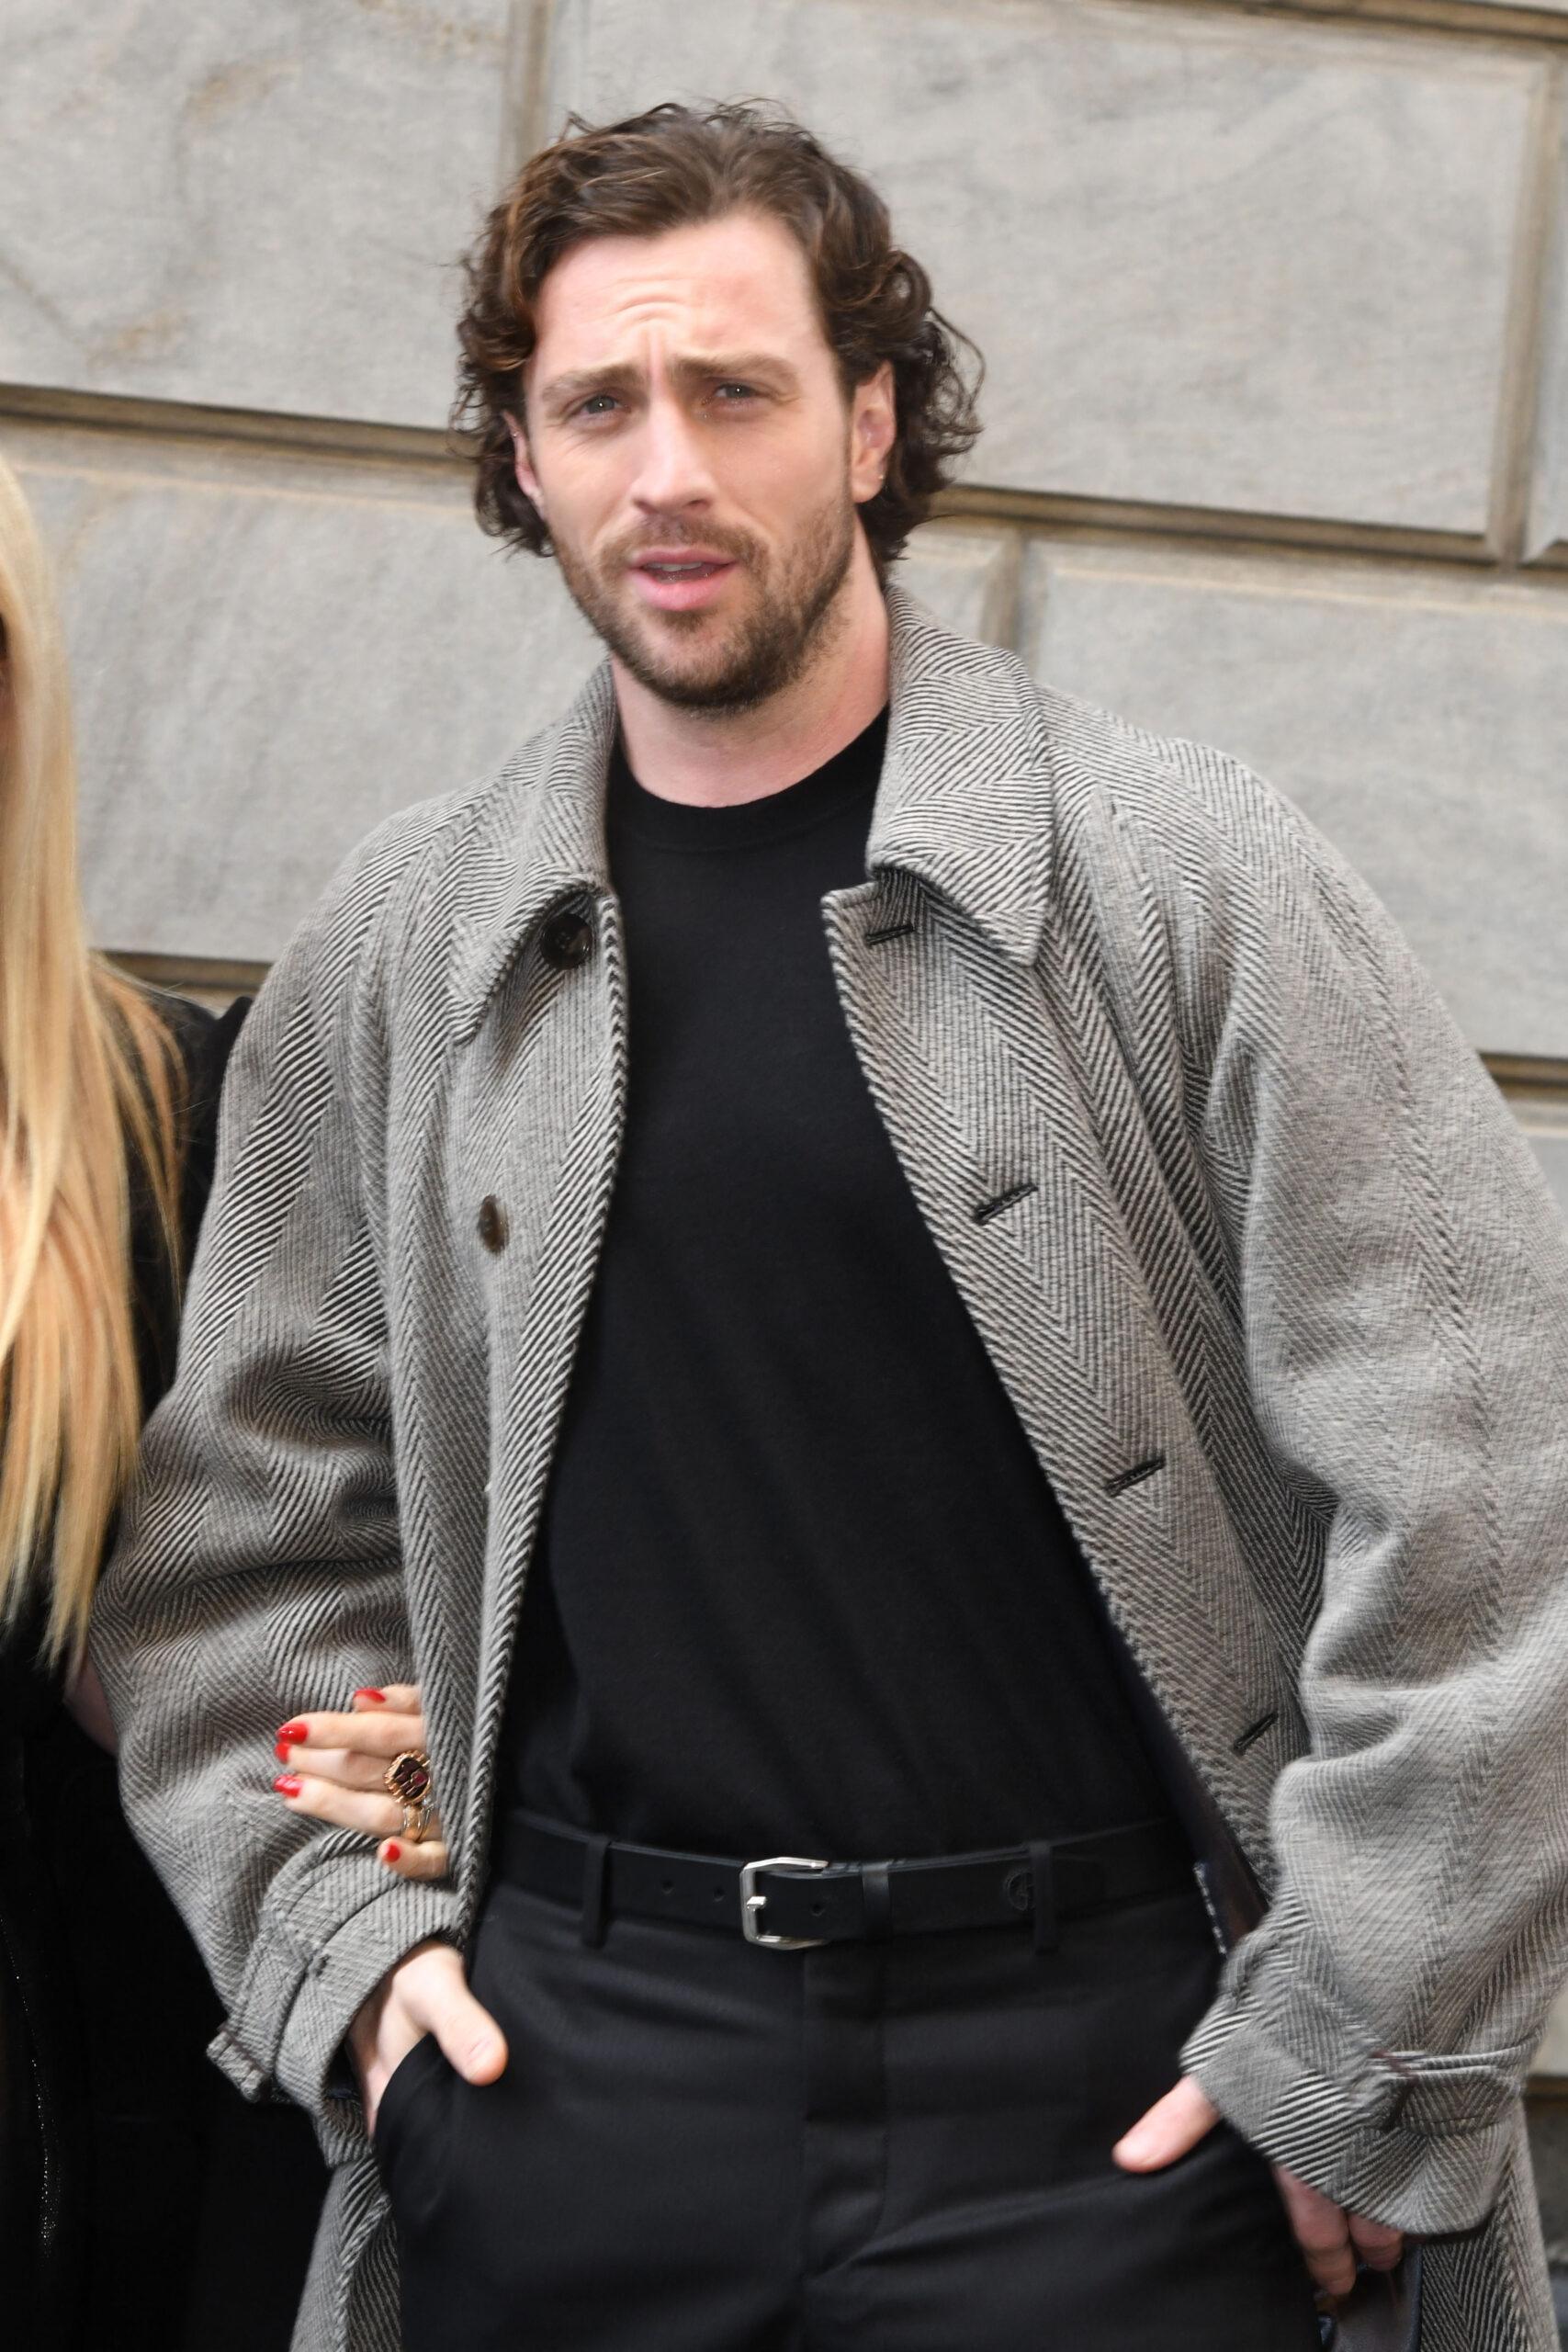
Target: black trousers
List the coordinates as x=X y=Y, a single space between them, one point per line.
x=701 y=2147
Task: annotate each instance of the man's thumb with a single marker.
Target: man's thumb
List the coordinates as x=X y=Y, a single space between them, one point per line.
x=1175 y=2123
x=471 y=2043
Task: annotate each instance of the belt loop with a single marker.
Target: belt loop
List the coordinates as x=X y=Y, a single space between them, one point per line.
x=1042 y=1878
x=877 y=1893
x=596 y=1888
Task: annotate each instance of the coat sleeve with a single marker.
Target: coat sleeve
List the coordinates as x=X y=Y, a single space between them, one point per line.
x=258 y=1571
x=1404 y=1287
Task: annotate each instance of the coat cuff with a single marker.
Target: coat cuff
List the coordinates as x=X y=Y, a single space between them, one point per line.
x=314 y=1963
x=1417 y=2142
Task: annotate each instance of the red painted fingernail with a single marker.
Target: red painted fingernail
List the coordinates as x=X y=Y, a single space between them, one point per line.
x=283 y=1751
x=287 y=1784
x=378 y=1696
x=390 y=1850
x=295 y=1731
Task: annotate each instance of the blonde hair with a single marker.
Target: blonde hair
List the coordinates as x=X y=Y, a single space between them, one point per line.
x=89 y=1090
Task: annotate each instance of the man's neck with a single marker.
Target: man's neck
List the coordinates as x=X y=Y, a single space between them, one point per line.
x=713 y=759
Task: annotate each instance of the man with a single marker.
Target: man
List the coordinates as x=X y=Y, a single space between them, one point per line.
x=1075 y=1349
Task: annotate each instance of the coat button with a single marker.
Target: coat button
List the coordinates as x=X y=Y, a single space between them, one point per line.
x=567 y=940
x=492 y=1223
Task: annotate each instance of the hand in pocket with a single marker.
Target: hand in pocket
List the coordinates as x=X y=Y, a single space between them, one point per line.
x=1332 y=2241
x=425 y=1994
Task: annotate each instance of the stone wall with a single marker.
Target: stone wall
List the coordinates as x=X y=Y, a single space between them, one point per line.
x=1276 y=309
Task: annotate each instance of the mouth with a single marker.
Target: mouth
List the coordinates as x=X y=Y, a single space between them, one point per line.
x=680 y=582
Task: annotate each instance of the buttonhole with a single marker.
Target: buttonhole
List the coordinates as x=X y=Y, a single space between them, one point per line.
x=1015 y=1193
x=817 y=1908
x=719 y=1895
x=1254 y=1730
x=888 y=930
x=1135 y=1476
x=666 y=1886
x=1397 y=2106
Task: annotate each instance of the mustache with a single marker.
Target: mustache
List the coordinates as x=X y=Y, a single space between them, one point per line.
x=737 y=545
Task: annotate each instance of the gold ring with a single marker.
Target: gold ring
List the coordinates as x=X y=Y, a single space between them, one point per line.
x=416 y=1821
x=408 y=1779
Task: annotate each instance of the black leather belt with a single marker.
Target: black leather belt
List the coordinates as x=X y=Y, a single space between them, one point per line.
x=789 y=1901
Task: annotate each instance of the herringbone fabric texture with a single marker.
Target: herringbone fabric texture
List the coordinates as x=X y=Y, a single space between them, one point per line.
x=1273 y=1284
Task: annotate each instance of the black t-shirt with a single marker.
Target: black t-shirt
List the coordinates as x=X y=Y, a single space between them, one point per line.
x=801 y=1585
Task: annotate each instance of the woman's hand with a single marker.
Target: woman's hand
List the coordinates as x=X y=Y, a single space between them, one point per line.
x=86 y=1703
x=335 y=1769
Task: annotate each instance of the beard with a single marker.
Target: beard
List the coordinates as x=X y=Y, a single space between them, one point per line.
x=722 y=665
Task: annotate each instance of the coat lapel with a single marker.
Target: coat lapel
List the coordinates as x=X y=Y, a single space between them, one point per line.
x=550 y=818
x=538 y=1105
x=983 y=1047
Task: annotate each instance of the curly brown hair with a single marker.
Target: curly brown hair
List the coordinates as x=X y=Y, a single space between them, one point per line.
x=674 y=167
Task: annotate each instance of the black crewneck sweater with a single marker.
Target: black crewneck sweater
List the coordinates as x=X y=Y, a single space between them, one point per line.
x=801 y=1585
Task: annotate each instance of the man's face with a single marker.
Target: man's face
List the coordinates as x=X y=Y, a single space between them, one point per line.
x=697 y=463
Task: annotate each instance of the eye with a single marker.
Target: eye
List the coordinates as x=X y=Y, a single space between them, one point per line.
x=733 y=395
x=597 y=404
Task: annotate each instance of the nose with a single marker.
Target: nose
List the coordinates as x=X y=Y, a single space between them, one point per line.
x=673 y=475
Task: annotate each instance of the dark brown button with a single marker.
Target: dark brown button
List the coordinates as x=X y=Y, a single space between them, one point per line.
x=567 y=940
x=492 y=1223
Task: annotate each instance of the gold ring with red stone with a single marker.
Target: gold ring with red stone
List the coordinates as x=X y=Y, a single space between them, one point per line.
x=407 y=1778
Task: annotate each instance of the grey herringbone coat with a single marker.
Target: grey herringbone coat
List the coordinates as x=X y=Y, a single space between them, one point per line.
x=1258 y=1226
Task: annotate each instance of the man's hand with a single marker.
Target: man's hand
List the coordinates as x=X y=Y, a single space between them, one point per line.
x=426 y=1993
x=1332 y=2240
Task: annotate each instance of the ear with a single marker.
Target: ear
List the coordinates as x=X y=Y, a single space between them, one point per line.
x=527 y=480
x=873 y=427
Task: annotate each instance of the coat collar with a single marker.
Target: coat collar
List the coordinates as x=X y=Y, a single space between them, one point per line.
x=963 y=804
x=964 y=800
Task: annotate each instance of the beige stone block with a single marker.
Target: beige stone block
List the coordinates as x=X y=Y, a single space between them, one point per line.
x=1548 y=490
x=1420 y=719
x=1215 y=259
x=967 y=578
x=245 y=207
x=269 y=656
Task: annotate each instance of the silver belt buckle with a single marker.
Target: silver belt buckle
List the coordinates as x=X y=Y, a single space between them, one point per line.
x=753 y=1905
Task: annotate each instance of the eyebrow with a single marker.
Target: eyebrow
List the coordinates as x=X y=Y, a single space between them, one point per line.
x=692 y=368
